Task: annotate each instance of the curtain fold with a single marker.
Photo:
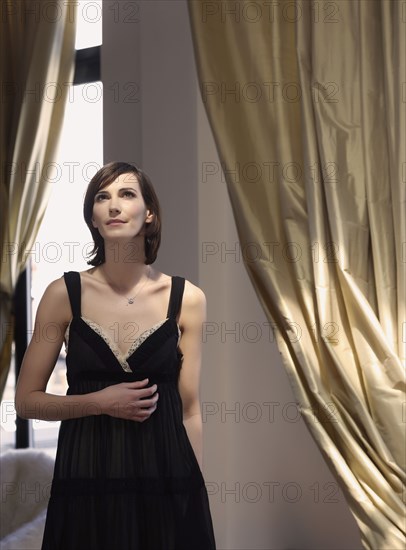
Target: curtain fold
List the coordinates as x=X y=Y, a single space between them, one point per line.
x=305 y=103
x=37 y=64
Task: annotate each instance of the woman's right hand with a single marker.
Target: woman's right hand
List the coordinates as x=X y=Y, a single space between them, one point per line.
x=129 y=400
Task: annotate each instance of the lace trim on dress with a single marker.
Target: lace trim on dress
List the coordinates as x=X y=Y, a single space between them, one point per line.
x=122 y=358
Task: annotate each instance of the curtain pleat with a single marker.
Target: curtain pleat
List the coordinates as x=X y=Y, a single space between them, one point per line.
x=307 y=114
x=37 y=64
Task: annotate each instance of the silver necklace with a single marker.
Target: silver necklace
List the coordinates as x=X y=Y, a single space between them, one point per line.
x=130 y=301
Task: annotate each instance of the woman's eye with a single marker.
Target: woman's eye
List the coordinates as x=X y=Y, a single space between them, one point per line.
x=104 y=196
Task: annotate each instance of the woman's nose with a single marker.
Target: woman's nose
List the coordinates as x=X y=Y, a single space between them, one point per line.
x=114 y=208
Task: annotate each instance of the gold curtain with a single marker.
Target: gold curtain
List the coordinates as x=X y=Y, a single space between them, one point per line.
x=37 y=63
x=305 y=103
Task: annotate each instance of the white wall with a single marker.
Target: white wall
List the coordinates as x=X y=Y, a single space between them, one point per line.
x=268 y=484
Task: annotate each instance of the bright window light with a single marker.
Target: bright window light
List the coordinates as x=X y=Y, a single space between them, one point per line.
x=88 y=24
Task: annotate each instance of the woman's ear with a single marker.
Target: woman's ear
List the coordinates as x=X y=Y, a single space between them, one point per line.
x=150 y=217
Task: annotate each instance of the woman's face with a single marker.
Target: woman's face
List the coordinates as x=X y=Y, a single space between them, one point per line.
x=119 y=210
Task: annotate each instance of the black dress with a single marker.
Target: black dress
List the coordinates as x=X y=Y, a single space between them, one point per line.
x=120 y=484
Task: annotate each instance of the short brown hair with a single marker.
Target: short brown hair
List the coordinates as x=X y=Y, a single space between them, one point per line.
x=106 y=175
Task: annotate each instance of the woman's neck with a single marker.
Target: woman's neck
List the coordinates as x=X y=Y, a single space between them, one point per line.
x=124 y=265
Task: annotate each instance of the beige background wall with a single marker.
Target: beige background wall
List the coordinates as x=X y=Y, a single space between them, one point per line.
x=268 y=484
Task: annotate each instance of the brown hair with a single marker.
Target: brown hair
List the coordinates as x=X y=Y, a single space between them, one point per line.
x=106 y=175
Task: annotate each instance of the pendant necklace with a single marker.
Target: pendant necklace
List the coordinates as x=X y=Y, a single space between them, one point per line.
x=130 y=301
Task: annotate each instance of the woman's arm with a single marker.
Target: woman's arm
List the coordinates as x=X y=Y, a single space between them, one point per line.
x=192 y=317
x=32 y=401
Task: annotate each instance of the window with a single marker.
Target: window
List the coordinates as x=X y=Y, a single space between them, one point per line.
x=63 y=241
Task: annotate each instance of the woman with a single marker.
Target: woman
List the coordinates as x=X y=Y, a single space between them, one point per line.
x=128 y=465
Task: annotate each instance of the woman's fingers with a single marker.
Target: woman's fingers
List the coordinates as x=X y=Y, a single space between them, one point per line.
x=131 y=401
x=137 y=383
x=146 y=407
x=141 y=408
x=146 y=403
x=143 y=392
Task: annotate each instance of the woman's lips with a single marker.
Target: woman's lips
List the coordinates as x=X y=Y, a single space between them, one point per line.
x=115 y=222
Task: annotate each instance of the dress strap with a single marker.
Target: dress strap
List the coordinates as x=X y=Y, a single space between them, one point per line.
x=72 y=281
x=175 y=300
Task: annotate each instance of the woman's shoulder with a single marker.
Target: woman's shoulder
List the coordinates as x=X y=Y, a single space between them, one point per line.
x=55 y=300
x=193 y=293
x=194 y=299
x=56 y=288
x=193 y=296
